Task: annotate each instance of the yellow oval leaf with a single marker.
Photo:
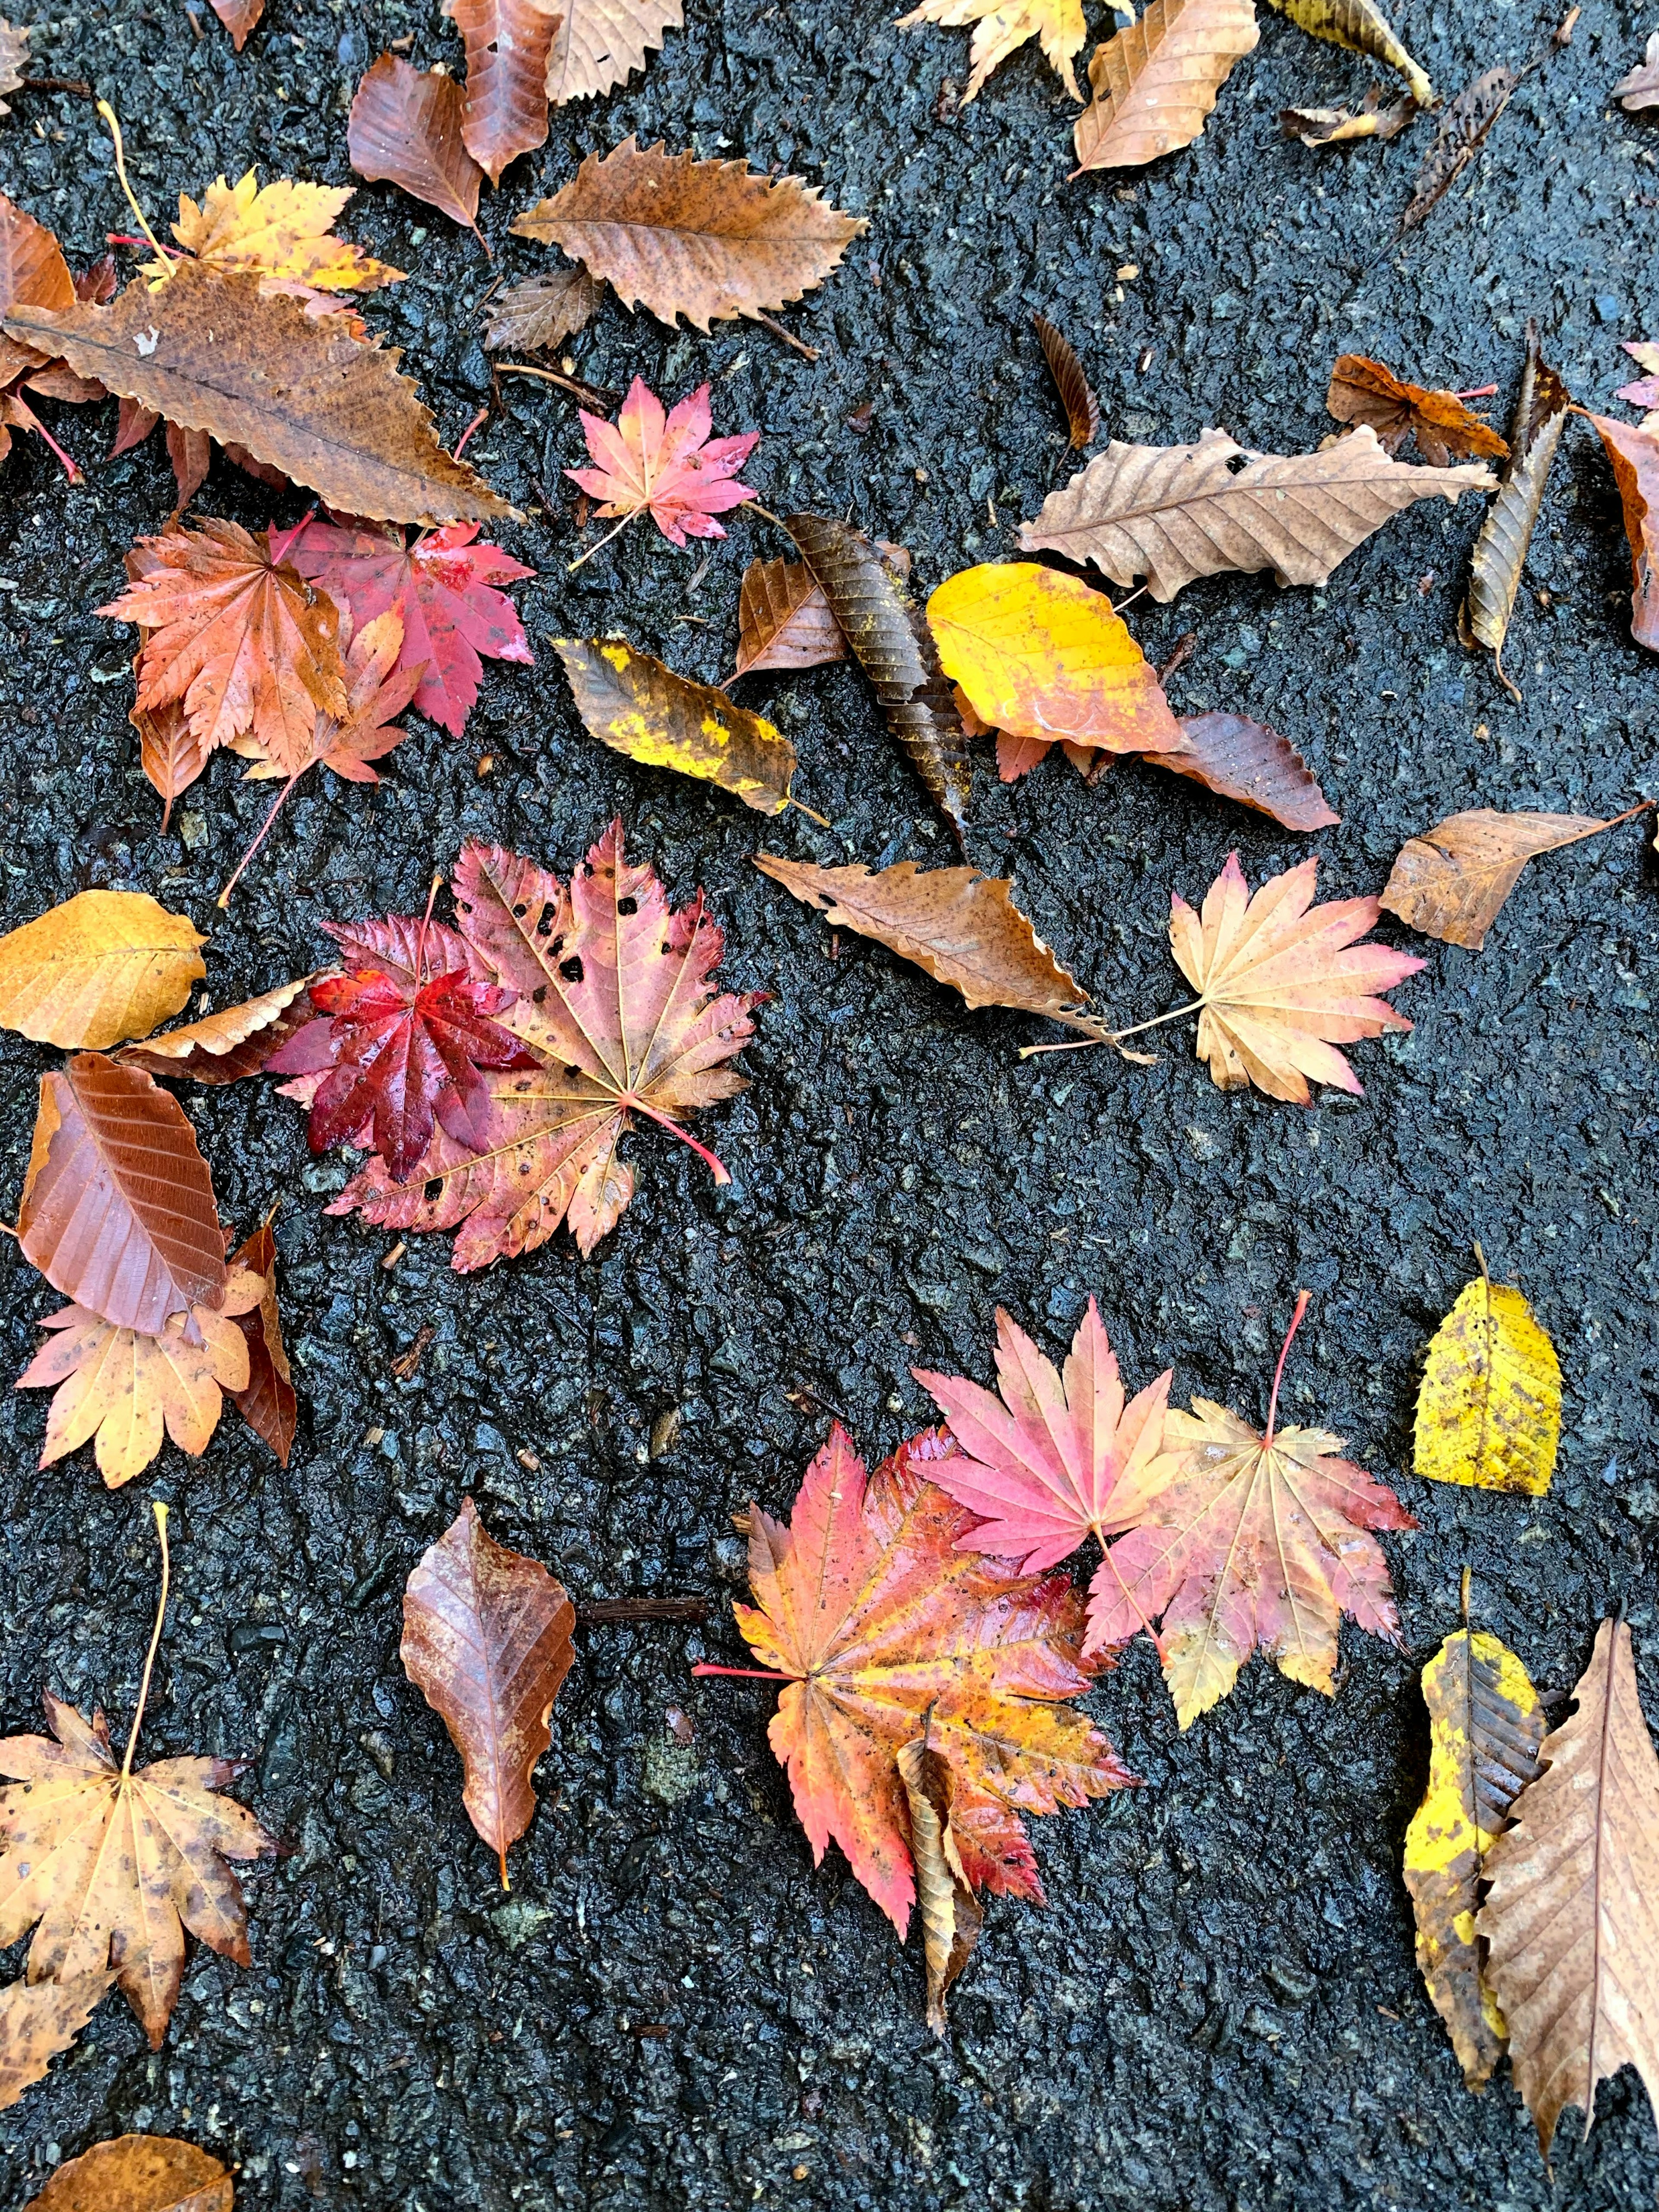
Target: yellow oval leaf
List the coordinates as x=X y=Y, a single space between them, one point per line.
x=637 y=705
x=1041 y=654
x=103 y=966
x=1489 y=1412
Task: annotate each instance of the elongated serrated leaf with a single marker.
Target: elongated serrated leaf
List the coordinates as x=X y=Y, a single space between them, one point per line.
x=1156 y=80
x=225 y=1045
x=599 y=43
x=1500 y=550
x=1362 y=28
x=1082 y=408
x=1237 y=759
x=637 y=705
x=1451 y=882
x=1463 y=129
x=1489 y=1412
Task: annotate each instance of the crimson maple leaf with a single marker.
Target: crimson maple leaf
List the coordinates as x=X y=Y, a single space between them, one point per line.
x=667 y=465
x=441 y=589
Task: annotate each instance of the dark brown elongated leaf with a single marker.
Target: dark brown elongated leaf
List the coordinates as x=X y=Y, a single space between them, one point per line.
x=504 y=111
x=1500 y=550
x=951 y=1916
x=1339 y=126
x=784 y=620
x=1363 y=391
x=1450 y=882
x=140 y=2173
x=117 y=1210
x=1640 y=89
x=32 y=274
x=893 y=645
x=268 y=1405
x=487 y=1643
x=1462 y=128
x=543 y=311
x=37 y=2021
x=1240 y=759
x=637 y=705
x=1362 y=28
x=407 y=128
x=212 y=352
x=960 y=926
x=1156 y=80
x=1634 y=453
x=1082 y=408
x=222 y=1047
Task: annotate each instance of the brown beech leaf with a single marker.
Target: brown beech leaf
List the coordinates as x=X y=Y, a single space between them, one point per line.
x=266 y=1402
x=32 y=274
x=1237 y=759
x=1500 y=550
x=212 y=352
x=117 y=1210
x=487 y=1643
x=14 y=53
x=963 y=928
x=638 y=708
x=704 y=239
x=1361 y=26
x=600 y=44
x=239 y=17
x=784 y=620
x=1339 y=126
x=504 y=111
x=37 y=2021
x=141 y=2173
x=893 y=645
x=1363 y=391
x=1571 y=1920
x=1082 y=408
x=543 y=311
x=169 y=751
x=1634 y=453
x=1462 y=130
x=223 y=1047
x=406 y=128
x=103 y=966
x=1450 y=882
x=1640 y=89
x=1155 y=81
x=1174 y=512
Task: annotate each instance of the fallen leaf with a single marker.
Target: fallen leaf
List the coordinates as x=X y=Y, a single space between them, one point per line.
x=103 y=966
x=1175 y=513
x=144 y=2173
x=1042 y=654
x=1640 y=89
x=282 y=230
x=1363 y=391
x=117 y=1210
x=1362 y=28
x=442 y=589
x=1462 y=130
x=1082 y=408
x=1248 y=1542
x=1245 y=761
x=1570 y=1919
x=879 y=1622
x=171 y=753
x=1634 y=453
x=891 y=641
x=32 y=274
x=266 y=1402
x=37 y=2021
x=125 y=1389
x=1451 y=882
x=1501 y=549
x=504 y=110
x=1155 y=80
x=665 y=464
x=1001 y=28
x=951 y=1914
x=1645 y=392
x=704 y=239
x=1489 y=1411
x=543 y=311
x=214 y=353
x=643 y=710
x=616 y=1004
x=487 y=1643
x=1486 y=1724
x=1338 y=126
x=241 y=18
x=14 y=53
x=784 y=620
x=600 y=43
x=407 y=128
x=960 y=926
x=223 y=1047
x=380 y=685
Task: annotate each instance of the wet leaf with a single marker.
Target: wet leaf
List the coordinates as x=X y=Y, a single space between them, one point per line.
x=266 y=1402
x=1363 y=391
x=892 y=644
x=1640 y=89
x=32 y=274
x=638 y=708
x=223 y=1047
x=1489 y=1412
x=704 y=239
x=960 y=926
x=1571 y=1920
x=1486 y=1724
x=1155 y=81
x=1174 y=512
x=282 y=230
x=1339 y=126
x=784 y=620
x=241 y=18
x=1362 y=28
x=1082 y=408
x=1451 y=882
x=543 y=311
x=406 y=128
x=37 y=2021
x=1462 y=130
x=951 y=1914
x=1634 y=453
x=600 y=43
x=171 y=753
x=141 y=2173
x=504 y=110
x=665 y=464
x=14 y=53
x=487 y=1643
x=103 y=966
x=1500 y=550
x=1001 y=28
x=1237 y=759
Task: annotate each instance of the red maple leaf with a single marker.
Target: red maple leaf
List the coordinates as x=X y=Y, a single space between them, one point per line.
x=668 y=466
x=441 y=588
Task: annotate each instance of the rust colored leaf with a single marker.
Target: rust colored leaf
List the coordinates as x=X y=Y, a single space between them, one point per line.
x=171 y=754
x=643 y=710
x=1640 y=89
x=1634 y=453
x=1462 y=130
x=1237 y=759
x=784 y=620
x=951 y=1914
x=1002 y=27
x=239 y=17
x=960 y=926
x=223 y=1047
x=487 y=1643
x=1339 y=126
x=1500 y=550
x=1155 y=82
x=140 y=2173
x=705 y=239
x=407 y=128
x=117 y=1210
x=37 y=2021
x=504 y=112
x=1082 y=408
x=32 y=274
x=1363 y=391
x=1451 y=882
x=543 y=311
x=600 y=43
x=214 y=353
x=892 y=644
x=266 y=1402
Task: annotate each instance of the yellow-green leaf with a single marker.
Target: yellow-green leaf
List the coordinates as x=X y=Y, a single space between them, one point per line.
x=1362 y=28
x=1489 y=1412
x=1484 y=1726
x=103 y=966
x=1042 y=654
x=637 y=705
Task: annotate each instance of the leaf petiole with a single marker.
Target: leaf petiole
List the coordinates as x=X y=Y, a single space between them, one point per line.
x=160 y=1513
x=748 y=1673
x=1302 y=1298
x=599 y=544
x=113 y=123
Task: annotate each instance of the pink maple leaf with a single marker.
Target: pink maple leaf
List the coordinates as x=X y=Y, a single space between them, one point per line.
x=667 y=466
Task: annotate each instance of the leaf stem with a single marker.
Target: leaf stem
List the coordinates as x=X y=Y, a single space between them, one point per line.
x=1302 y=1298
x=480 y=418
x=801 y=807
x=113 y=123
x=426 y=923
x=599 y=544
x=594 y=394
x=749 y=1673
x=1114 y=1037
x=160 y=1513
x=667 y=1121
x=223 y=901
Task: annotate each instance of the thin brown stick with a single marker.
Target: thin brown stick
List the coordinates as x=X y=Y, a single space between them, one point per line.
x=810 y=353
x=606 y=1609
x=594 y=394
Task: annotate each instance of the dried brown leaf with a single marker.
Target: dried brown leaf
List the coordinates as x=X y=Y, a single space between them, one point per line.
x=1240 y=759
x=543 y=311
x=223 y=1047
x=139 y=2173
x=1082 y=408
x=239 y=17
x=1462 y=130
x=1500 y=550
x=1363 y=391
x=784 y=620
x=407 y=128
x=1155 y=81
x=951 y=1916
x=267 y=1402
x=1361 y=26
x=37 y=2021
x=171 y=754
x=504 y=111
x=1450 y=882
x=32 y=274
x=14 y=53
x=600 y=44
x=1339 y=126
x=1640 y=89
x=1634 y=453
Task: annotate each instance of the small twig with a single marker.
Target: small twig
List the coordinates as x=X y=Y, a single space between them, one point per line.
x=1114 y=1037
x=810 y=353
x=75 y=84
x=642 y=1608
x=1302 y=1298
x=160 y=1513
x=593 y=394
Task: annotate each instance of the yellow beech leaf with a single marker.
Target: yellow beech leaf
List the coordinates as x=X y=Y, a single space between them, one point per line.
x=282 y=229
x=103 y=966
x=1484 y=1726
x=1489 y=1412
x=637 y=705
x=1041 y=654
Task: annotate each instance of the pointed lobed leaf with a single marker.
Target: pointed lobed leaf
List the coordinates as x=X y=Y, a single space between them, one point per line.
x=282 y=229
x=664 y=463
x=1362 y=28
x=1001 y=28
x=1489 y=1411
x=639 y=708
x=1363 y=391
x=37 y=2021
x=1451 y=882
x=407 y=128
x=1155 y=81
x=103 y=966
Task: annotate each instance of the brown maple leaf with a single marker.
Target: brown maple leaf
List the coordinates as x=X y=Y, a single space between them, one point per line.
x=1363 y=391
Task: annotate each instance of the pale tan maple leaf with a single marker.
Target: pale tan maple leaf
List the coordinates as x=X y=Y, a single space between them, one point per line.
x=1002 y=27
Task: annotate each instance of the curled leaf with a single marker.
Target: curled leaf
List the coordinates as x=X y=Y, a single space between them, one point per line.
x=1640 y=88
x=1500 y=550
x=1082 y=408
x=951 y=1916
x=222 y=1047
x=1156 y=80
x=1451 y=882
x=1489 y=1412
x=103 y=966
x=1363 y=391
x=1339 y=126
x=1362 y=28
x=266 y=1402
x=638 y=708
x=1634 y=453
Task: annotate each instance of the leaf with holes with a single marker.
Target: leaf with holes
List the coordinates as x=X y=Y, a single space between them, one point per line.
x=599 y=43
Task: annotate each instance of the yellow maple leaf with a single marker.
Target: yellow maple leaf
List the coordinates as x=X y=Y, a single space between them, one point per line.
x=282 y=230
x=1001 y=27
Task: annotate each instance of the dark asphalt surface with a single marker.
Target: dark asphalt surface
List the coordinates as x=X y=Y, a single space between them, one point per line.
x=1220 y=2007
